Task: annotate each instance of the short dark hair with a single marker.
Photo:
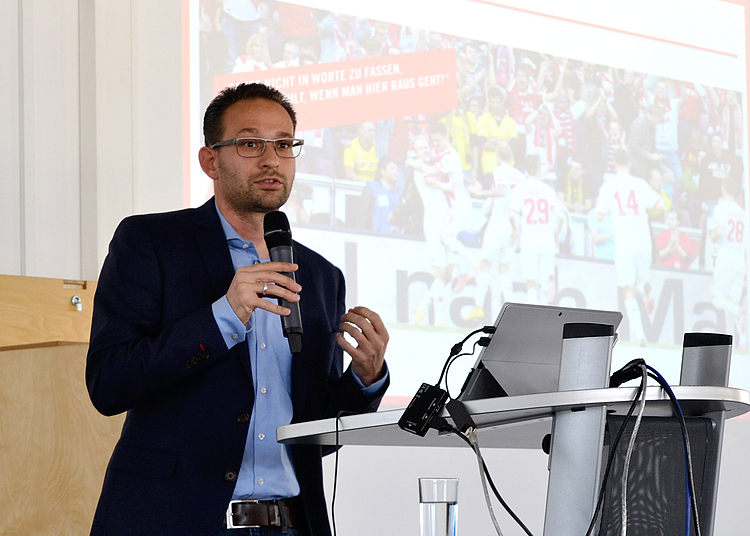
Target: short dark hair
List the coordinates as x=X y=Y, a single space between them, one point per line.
x=505 y=152
x=731 y=185
x=383 y=163
x=438 y=128
x=621 y=156
x=213 y=119
x=533 y=164
x=495 y=92
x=677 y=213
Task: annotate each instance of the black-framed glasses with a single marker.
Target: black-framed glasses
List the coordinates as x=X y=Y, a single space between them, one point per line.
x=254 y=147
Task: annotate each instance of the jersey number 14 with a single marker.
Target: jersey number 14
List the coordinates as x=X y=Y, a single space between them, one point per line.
x=632 y=204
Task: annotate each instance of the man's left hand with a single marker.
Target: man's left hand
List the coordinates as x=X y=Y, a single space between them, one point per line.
x=368 y=357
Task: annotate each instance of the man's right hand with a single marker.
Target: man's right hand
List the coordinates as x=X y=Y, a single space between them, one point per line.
x=246 y=292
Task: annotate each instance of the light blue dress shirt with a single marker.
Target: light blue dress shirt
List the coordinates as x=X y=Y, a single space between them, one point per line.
x=267 y=471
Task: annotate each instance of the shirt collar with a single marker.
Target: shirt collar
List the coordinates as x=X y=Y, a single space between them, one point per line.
x=232 y=236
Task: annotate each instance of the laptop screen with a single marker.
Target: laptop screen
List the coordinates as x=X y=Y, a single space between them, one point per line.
x=523 y=356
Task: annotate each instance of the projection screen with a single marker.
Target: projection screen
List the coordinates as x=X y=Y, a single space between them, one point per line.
x=422 y=119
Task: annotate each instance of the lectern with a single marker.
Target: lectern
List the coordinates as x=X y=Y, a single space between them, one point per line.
x=576 y=415
x=54 y=446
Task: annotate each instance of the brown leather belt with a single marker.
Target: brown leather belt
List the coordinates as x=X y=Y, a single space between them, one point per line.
x=277 y=513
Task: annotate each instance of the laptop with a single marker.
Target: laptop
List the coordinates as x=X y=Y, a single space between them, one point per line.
x=523 y=356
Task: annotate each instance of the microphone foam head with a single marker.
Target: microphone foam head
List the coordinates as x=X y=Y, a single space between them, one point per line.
x=276 y=231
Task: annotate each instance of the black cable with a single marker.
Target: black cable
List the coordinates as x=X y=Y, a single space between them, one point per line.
x=683 y=427
x=450 y=362
x=456 y=348
x=492 y=484
x=611 y=457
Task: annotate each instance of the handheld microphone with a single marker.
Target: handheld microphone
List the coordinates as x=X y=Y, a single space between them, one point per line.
x=278 y=237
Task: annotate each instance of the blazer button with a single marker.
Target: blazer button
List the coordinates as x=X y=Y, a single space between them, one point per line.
x=243 y=417
x=230 y=476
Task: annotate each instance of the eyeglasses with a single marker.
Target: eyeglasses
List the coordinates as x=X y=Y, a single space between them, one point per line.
x=254 y=147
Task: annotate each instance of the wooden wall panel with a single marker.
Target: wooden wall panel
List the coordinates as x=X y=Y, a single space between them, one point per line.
x=54 y=446
x=36 y=311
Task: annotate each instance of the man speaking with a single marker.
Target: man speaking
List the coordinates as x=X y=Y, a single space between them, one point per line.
x=186 y=337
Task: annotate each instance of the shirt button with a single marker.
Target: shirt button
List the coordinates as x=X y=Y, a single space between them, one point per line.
x=230 y=476
x=245 y=246
x=235 y=336
x=261 y=436
x=263 y=390
x=243 y=417
x=261 y=481
x=262 y=345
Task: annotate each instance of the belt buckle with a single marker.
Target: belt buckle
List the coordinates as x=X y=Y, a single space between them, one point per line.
x=230 y=519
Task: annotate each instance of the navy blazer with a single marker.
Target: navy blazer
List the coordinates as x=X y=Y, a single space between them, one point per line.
x=157 y=353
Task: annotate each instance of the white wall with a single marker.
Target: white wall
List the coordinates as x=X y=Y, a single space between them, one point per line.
x=40 y=127
x=11 y=231
x=90 y=114
x=91 y=126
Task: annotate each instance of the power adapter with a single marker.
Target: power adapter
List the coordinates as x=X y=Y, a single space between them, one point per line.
x=427 y=403
x=461 y=417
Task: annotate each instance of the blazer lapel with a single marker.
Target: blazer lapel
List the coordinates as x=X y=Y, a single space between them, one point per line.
x=212 y=245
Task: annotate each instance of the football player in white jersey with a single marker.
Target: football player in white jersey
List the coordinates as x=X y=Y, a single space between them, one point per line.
x=436 y=209
x=626 y=199
x=497 y=244
x=536 y=212
x=730 y=239
x=448 y=163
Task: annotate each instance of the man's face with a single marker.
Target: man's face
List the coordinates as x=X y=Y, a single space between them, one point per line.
x=345 y=23
x=522 y=80
x=497 y=105
x=471 y=54
x=291 y=51
x=439 y=141
x=717 y=144
x=390 y=174
x=601 y=109
x=367 y=132
x=422 y=148
x=543 y=117
x=614 y=131
x=576 y=170
x=436 y=41
x=661 y=90
x=562 y=102
x=673 y=222
x=381 y=29
x=474 y=107
x=261 y=184
x=656 y=180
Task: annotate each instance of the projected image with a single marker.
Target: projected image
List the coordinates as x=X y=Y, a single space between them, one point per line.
x=461 y=174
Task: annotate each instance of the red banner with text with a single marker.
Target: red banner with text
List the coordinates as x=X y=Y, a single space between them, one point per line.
x=367 y=89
